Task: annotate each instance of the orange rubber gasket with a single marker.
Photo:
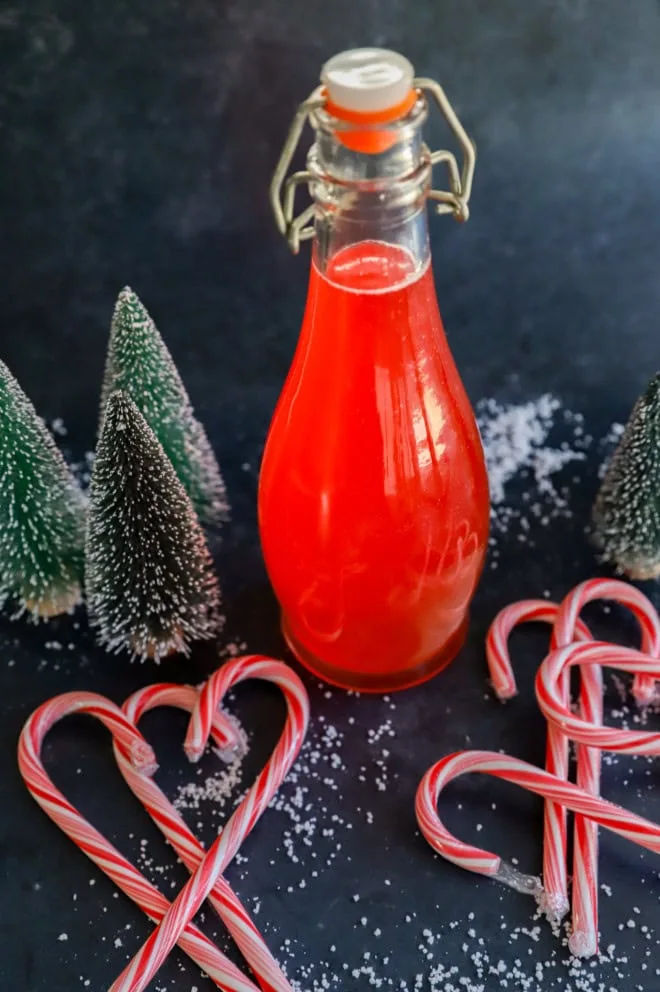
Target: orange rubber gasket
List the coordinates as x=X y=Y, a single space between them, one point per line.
x=370 y=140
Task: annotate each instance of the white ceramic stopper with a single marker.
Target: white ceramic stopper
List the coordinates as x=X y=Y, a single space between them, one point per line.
x=367 y=80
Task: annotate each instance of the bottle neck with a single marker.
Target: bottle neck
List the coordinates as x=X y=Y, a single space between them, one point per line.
x=376 y=200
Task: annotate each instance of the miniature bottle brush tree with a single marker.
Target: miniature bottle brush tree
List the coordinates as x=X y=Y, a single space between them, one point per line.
x=42 y=512
x=626 y=514
x=149 y=576
x=139 y=363
x=147 y=570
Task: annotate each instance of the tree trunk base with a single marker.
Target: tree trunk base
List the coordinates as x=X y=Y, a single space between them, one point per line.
x=55 y=604
x=154 y=650
x=642 y=572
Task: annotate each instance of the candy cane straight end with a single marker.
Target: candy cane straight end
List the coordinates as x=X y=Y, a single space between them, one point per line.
x=232 y=743
x=583 y=944
x=230 y=754
x=644 y=690
x=529 y=885
x=553 y=905
x=505 y=691
x=143 y=758
x=227 y=753
x=193 y=752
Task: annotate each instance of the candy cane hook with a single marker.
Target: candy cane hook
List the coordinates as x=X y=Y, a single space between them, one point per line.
x=602 y=812
x=104 y=855
x=139 y=972
x=223 y=899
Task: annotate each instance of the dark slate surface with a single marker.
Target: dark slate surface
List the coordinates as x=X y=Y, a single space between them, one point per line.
x=137 y=141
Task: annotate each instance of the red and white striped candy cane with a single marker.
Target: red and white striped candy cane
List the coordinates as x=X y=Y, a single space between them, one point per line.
x=529 y=610
x=604 y=813
x=568 y=627
x=606 y=655
x=552 y=676
x=139 y=972
x=583 y=941
x=223 y=899
x=195 y=944
x=497 y=640
x=644 y=686
x=553 y=897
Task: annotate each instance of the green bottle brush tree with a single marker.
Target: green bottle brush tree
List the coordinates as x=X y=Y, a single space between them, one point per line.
x=626 y=514
x=139 y=363
x=42 y=512
x=149 y=576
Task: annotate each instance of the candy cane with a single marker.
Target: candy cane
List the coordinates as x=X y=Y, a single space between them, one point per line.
x=552 y=678
x=553 y=898
x=198 y=947
x=169 y=821
x=541 y=610
x=602 y=812
x=606 y=655
x=583 y=941
x=568 y=627
x=139 y=972
x=643 y=610
x=497 y=639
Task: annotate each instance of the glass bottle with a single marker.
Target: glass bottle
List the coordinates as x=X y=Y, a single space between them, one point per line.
x=373 y=494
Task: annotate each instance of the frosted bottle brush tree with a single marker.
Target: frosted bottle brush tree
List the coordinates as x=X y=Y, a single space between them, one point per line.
x=149 y=577
x=139 y=363
x=41 y=512
x=626 y=515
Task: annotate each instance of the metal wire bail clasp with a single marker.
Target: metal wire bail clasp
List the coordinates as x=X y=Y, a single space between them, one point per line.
x=283 y=190
x=455 y=200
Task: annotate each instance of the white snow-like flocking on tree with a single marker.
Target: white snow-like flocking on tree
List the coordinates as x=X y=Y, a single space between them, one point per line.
x=139 y=363
x=149 y=577
x=42 y=512
x=626 y=514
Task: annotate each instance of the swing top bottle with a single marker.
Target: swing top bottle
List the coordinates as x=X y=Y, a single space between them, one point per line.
x=373 y=495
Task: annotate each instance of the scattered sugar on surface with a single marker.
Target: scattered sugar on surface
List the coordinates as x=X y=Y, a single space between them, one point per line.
x=409 y=954
x=535 y=454
x=215 y=791
x=473 y=969
x=515 y=440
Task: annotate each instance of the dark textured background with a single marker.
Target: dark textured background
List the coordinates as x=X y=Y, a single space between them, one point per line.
x=136 y=146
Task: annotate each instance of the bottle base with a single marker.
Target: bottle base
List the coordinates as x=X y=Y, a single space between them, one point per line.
x=378 y=682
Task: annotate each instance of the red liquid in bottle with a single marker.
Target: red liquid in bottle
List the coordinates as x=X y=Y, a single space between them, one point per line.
x=373 y=496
